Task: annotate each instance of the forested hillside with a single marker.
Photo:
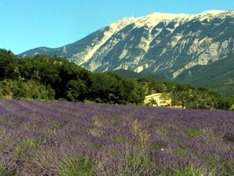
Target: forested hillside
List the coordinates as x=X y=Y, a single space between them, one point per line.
x=55 y=78
x=186 y=95
x=218 y=75
x=46 y=77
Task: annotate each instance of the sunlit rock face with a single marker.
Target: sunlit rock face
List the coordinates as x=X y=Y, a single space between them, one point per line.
x=164 y=44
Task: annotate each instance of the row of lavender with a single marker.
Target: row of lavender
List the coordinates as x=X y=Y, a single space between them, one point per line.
x=64 y=138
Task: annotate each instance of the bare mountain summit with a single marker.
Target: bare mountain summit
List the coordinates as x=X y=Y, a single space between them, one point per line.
x=165 y=44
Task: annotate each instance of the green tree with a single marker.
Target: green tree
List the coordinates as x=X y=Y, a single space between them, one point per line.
x=7 y=64
x=75 y=90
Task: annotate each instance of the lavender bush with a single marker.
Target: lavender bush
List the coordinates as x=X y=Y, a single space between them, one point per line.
x=66 y=139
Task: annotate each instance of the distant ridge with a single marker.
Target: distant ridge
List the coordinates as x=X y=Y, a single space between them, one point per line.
x=170 y=45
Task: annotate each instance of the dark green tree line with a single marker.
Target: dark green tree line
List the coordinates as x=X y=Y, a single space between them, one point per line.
x=46 y=77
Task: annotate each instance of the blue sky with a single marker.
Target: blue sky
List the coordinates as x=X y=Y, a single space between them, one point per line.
x=27 y=24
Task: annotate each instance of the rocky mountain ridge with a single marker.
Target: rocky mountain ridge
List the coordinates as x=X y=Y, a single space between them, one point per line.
x=165 y=44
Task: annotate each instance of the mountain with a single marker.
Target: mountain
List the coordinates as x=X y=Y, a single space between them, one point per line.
x=181 y=47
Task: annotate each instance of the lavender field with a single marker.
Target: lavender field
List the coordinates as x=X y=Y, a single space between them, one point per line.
x=69 y=139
